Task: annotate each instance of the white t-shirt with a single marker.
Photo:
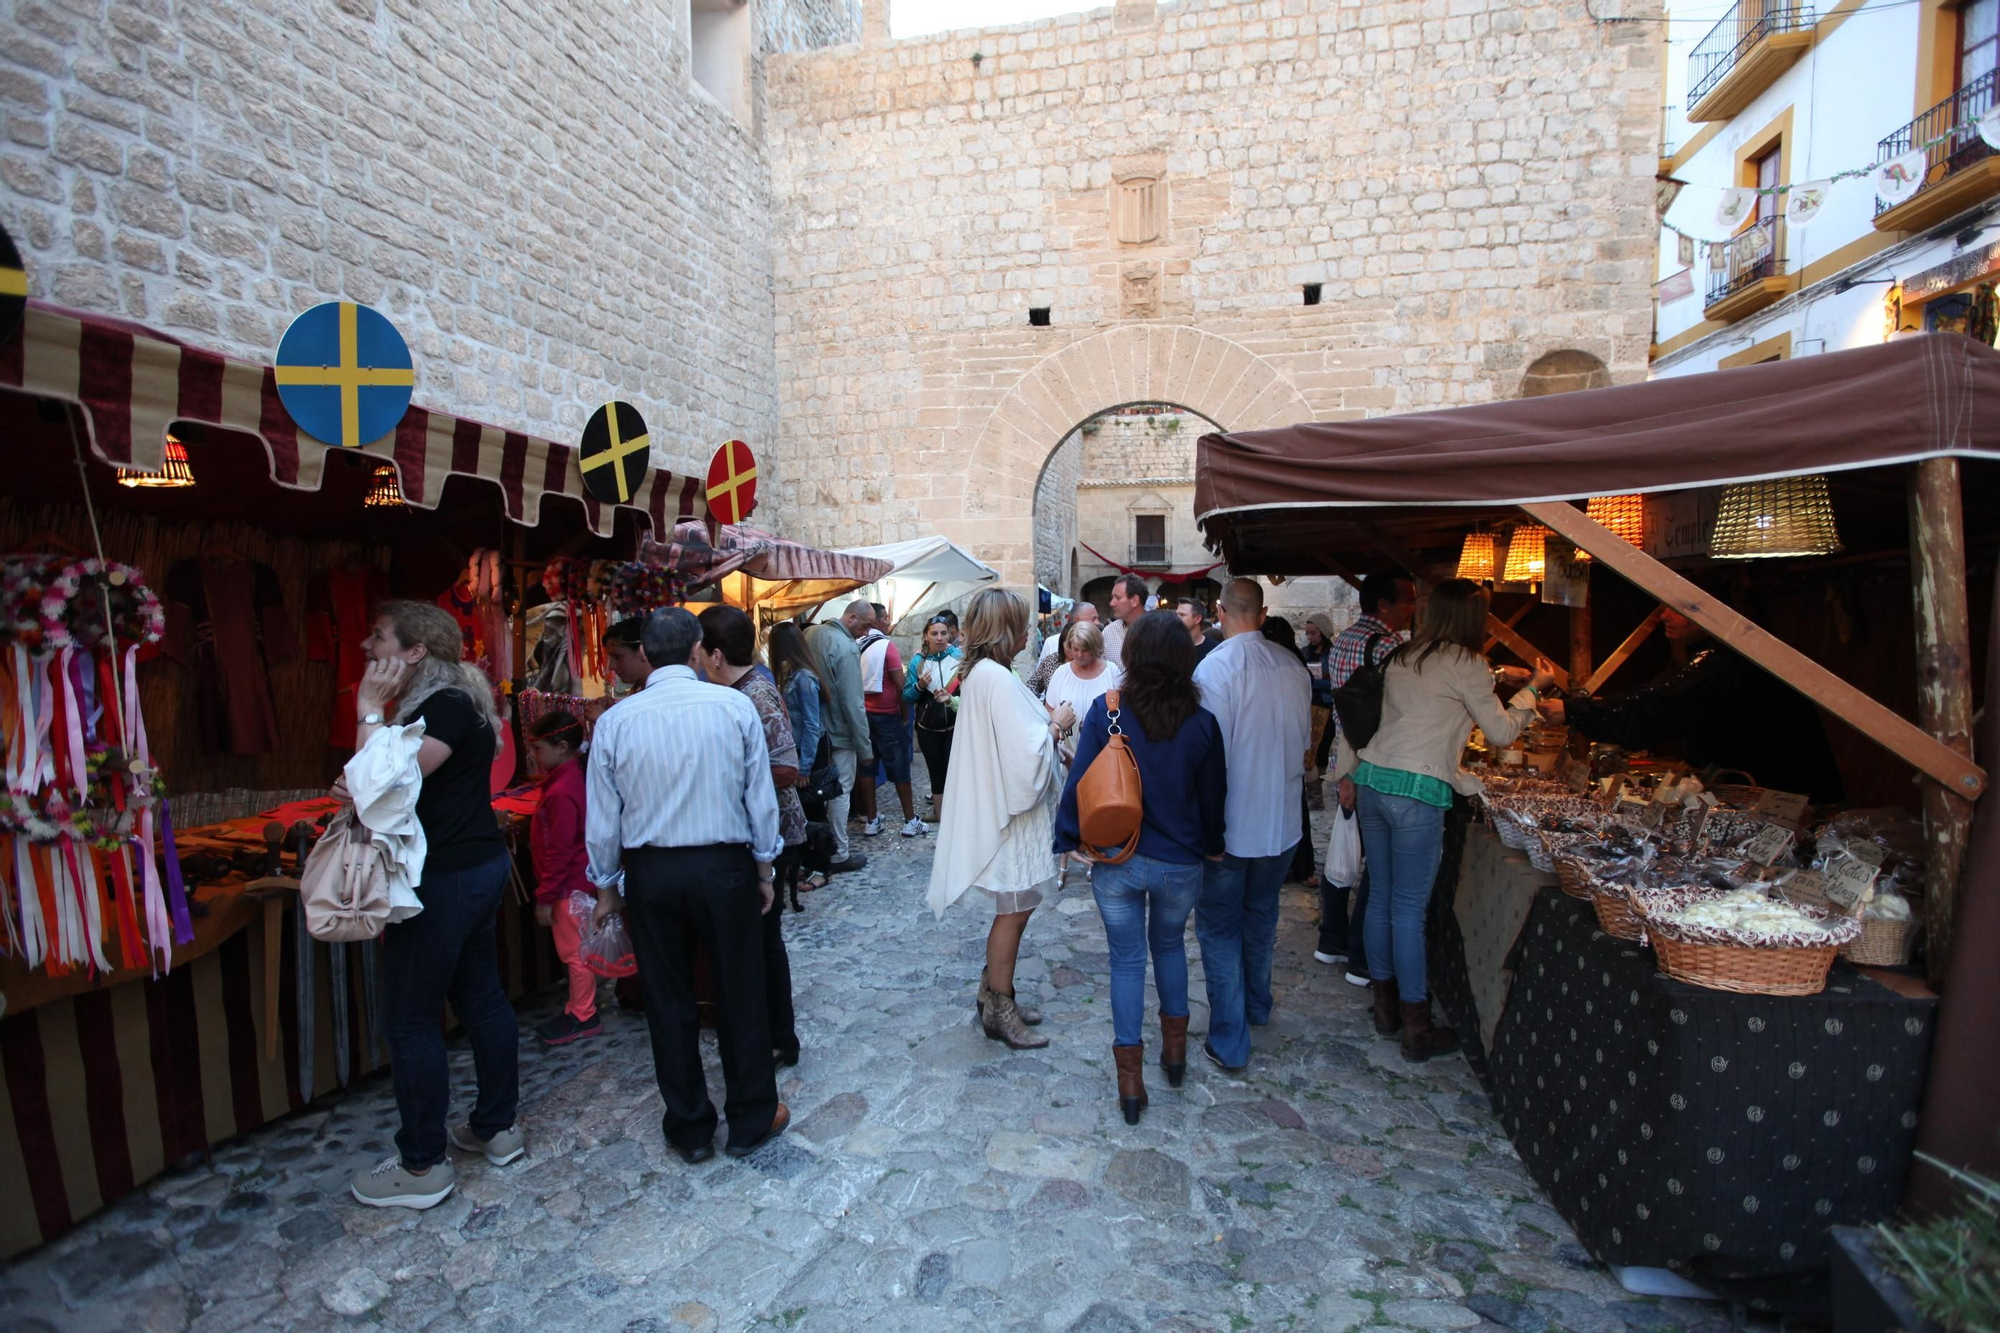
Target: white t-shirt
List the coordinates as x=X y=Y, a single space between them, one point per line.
x=1066 y=687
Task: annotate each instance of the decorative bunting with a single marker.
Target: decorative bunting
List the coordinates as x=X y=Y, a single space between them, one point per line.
x=1901 y=177
x=1989 y=126
x=1735 y=207
x=1804 y=201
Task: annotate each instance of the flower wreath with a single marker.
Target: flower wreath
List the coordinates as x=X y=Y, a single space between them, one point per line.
x=23 y=583
x=637 y=588
x=73 y=616
x=96 y=819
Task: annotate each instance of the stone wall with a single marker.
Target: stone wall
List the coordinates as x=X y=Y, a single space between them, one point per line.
x=533 y=192
x=1469 y=184
x=1055 y=516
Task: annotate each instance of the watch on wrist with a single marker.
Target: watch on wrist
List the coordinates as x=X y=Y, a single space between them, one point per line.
x=371 y=719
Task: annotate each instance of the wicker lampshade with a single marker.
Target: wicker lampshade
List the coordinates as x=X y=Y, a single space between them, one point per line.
x=1526 y=551
x=1784 y=516
x=1625 y=515
x=1475 y=558
x=174 y=470
x=385 y=491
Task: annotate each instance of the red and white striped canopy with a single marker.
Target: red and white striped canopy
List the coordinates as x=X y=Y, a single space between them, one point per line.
x=133 y=383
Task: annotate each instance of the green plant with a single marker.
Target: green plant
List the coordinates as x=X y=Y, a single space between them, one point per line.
x=1950 y=1263
x=977 y=56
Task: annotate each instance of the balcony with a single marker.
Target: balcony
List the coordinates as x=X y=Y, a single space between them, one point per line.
x=1744 y=54
x=1960 y=170
x=1152 y=555
x=1752 y=275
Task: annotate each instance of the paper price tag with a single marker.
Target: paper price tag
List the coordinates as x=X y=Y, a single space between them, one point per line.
x=1787 y=809
x=1868 y=853
x=1805 y=886
x=1769 y=844
x=1850 y=882
x=1638 y=813
x=1576 y=775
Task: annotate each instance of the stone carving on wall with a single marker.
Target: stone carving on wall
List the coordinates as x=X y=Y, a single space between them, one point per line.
x=1139 y=291
x=1139 y=211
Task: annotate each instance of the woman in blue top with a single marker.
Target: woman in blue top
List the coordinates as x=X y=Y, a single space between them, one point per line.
x=796 y=671
x=1178 y=747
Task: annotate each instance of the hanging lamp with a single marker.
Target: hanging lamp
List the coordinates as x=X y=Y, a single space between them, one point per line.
x=385 y=490
x=1784 y=516
x=1526 y=554
x=1475 y=557
x=1624 y=515
x=174 y=470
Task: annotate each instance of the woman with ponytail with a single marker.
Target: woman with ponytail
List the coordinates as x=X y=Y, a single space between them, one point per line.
x=448 y=950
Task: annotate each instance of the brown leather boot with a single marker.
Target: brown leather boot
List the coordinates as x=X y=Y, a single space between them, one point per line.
x=1422 y=1039
x=1002 y=1021
x=1388 y=1006
x=1032 y=1017
x=1173 y=1048
x=1131 y=1061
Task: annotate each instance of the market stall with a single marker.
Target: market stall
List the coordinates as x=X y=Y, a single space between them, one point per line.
x=757 y=570
x=1627 y=1029
x=926 y=575
x=155 y=1002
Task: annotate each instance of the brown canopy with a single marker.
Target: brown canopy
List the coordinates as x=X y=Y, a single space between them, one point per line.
x=1905 y=400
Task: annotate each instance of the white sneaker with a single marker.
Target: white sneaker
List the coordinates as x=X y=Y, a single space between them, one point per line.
x=1319 y=957
x=916 y=828
x=390 y=1186
x=1355 y=979
x=504 y=1147
x=873 y=828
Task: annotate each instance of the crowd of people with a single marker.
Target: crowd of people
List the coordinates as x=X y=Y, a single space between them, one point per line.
x=701 y=788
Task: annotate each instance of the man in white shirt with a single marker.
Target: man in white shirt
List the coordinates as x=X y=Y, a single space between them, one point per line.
x=681 y=831
x=1128 y=603
x=1261 y=695
x=1084 y=613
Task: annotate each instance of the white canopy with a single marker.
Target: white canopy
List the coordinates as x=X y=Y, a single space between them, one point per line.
x=930 y=573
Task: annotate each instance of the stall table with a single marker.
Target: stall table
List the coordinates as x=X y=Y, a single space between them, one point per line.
x=1674 y=1126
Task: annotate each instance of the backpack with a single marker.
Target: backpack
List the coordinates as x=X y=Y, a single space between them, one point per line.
x=1109 y=805
x=344 y=888
x=1358 y=703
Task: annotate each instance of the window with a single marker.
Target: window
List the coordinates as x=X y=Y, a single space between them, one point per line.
x=1312 y=290
x=1767 y=168
x=1978 y=40
x=1038 y=316
x=719 y=52
x=1149 y=539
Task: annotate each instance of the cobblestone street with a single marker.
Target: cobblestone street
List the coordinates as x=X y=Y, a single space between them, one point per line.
x=931 y=1179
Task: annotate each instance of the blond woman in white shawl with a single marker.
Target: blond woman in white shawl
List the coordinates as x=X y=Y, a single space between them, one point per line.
x=998 y=834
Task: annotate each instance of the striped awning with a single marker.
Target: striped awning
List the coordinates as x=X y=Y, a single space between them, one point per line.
x=133 y=383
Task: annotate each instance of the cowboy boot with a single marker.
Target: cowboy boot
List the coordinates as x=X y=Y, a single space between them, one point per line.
x=1173 y=1048
x=1131 y=1062
x=1002 y=1020
x=1422 y=1039
x=1389 y=1008
x=1032 y=1017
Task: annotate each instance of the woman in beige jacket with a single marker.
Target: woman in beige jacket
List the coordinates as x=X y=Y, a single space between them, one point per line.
x=1435 y=687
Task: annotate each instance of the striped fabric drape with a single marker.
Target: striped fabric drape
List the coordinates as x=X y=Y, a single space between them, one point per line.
x=101 y=1091
x=133 y=383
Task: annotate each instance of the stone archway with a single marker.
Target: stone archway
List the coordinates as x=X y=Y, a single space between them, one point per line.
x=1005 y=449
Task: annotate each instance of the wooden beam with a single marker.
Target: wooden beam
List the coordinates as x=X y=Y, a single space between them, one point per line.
x=1944 y=684
x=1579 y=642
x=1427 y=574
x=1623 y=652
x=1919 y=748
x=1509 y=622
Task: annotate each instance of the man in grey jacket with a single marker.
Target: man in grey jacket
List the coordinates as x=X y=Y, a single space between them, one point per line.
x=841 y=712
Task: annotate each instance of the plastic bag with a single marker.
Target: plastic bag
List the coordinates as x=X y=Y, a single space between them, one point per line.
x=607 y=949
x=1343 y=852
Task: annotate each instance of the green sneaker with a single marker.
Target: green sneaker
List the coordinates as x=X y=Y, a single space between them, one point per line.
x=390 y=1186
x=504 y=1147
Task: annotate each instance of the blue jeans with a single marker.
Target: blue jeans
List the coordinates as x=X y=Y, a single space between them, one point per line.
x=449 y=951
x=1124 y=893
x=1403 y=840
x=1237 y=926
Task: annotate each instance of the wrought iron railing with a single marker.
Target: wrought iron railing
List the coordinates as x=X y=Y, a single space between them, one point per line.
x=1152 y=553
x=1750 y=258
x=1729 y=40
x=1948 y=133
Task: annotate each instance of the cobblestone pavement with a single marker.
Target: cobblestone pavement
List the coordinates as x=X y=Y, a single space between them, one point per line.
x=931 y=1178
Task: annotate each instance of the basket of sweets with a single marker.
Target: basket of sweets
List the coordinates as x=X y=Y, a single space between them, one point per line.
x=1744 y=940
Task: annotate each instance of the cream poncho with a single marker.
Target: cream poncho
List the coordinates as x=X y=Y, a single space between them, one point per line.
x=997 y=832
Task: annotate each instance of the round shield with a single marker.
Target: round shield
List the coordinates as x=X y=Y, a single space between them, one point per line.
x=732 y=483
x=13 y=286
x=344 y=374
x=615 y=453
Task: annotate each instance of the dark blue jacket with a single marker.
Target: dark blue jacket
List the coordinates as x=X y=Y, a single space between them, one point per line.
x=1183 y=781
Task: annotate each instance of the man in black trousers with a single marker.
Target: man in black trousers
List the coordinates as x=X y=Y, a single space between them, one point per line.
x=682 y=829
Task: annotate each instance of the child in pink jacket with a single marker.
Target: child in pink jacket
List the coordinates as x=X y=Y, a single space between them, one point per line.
x=556 y=840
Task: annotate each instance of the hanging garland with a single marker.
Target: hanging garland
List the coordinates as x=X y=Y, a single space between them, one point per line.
x=73 y=607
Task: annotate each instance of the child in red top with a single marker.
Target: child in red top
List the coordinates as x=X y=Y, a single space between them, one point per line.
x=556 y=840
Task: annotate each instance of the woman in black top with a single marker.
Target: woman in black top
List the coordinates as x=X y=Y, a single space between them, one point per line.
x=448 y=950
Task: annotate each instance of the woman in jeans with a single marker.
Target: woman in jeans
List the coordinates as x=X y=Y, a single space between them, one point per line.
x=796 y=671
x=446 y=951
x=931 y=689
x=1435 y=687
x=1183 y=781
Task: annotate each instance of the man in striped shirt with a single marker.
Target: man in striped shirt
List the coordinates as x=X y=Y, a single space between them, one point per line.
x=682 y=828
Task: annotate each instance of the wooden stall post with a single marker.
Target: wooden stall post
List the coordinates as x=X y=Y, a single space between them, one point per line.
x=1579 y=642
x=1944 y=684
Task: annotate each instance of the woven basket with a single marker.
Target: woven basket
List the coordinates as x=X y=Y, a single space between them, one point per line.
x=1615 y=916
x=1574 y=879
x=1538 y=856
x=1744 y=970
x=1513 y=833
x=1882 y=943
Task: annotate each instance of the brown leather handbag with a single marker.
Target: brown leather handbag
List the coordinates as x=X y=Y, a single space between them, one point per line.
x=1109 y=805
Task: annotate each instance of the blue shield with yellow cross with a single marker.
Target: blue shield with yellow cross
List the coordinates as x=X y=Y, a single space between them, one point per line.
x=345 y=374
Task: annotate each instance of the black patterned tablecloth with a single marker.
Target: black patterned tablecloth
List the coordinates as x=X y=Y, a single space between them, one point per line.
x=1716 y=1134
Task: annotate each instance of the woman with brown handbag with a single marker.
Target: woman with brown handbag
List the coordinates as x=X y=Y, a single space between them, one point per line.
x=1146 y=891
